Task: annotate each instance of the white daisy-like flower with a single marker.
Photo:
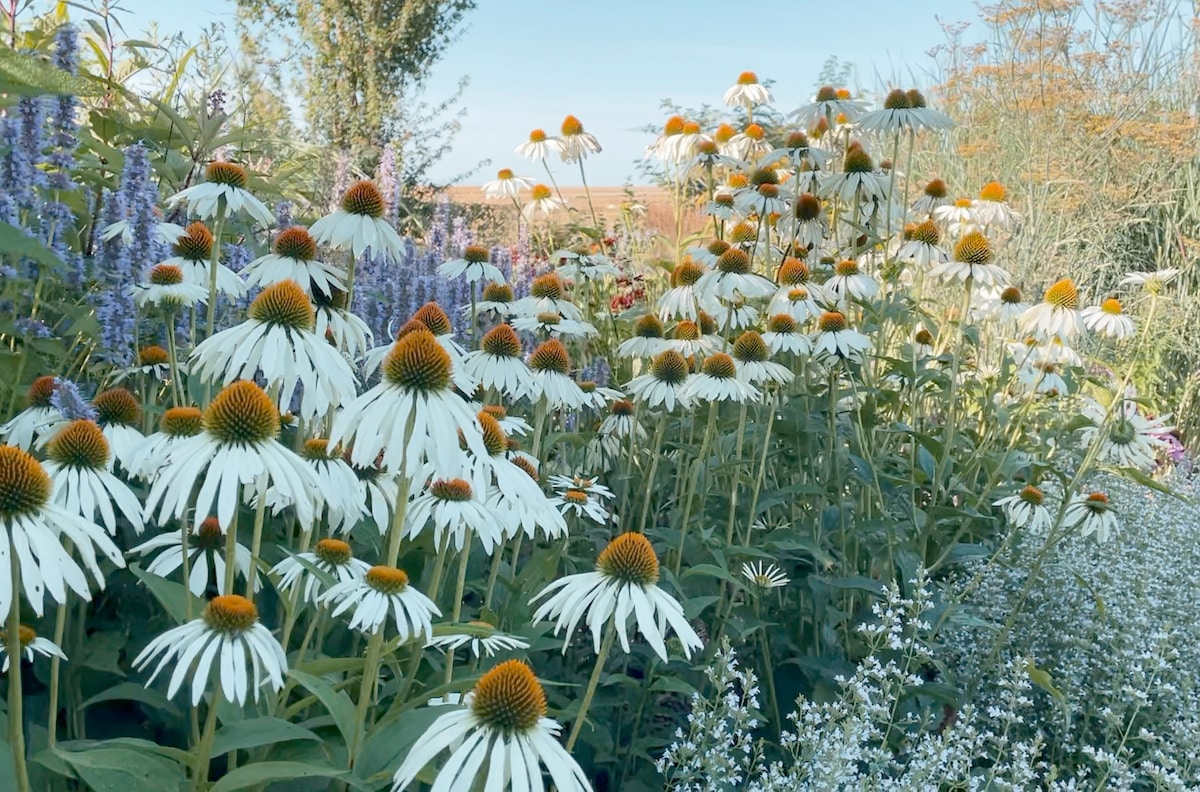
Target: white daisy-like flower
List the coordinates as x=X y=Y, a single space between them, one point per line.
x=482 y=638
x=1129 y=439
x=359 y=225
x=829 y=104
x=551 y=365
x=957 y=217
x=718 y=380
x=922 y=246
x=1005 y=305
x=624 y=584
x=1042 y=377
x=451 y=507
x=294 y=258
x=473 y=265
x=223 y=192
x=500 y=736
x=934 y=194
x=1109 y=319
x=783 y=335
x=506 y=185
x=834 y=338
x=1091 y=514
x=1152 y=282
x=850 y=281
x=576 y=143
x=80 y=465
x=498 y=365
x=798 y=302
x=277 y=342
x=415 y=389
x=193 y=251
x=238 y=447
x=178 y=423
x=991 y=209
x=647 y=340
x=722 y=206
x=553 y=325
x=972 y=261
x=380 y=592
x=153 y=362
x=512 y=486
x=583 y=264
x=164 y=233
x=497 y=302
x=561 y=483
x=29 y=642
x=747 y=145
x=732 y=278
x=681 y=301
x=168 y=289
x=747 y=92
x=331 y=556
x=903 y=111
x=348 y=333
x=663 y=385
x=379 y=490
x=547 y=294
x=858 y=177
x=539 y=146
x=581 y=504
x=40 y=414
x=735 y=314
x=119 y=414
x=338 y=499
x=751 y=353
x=541 y=202
x=206 y=557
x=765 y=578
x=1026 y=510
x=1057 y=315
x=227 y=639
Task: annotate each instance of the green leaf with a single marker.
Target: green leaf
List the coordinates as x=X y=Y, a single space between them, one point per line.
x=255 y=732
x=27 y=75
x=169 y=593
x=265 y=772
x=122 y=769
x=387 y=744
x=132 y=691
x=336 y=702
x=671 y=684
x=16 y=245
x=1042 y=679
x=708 y=570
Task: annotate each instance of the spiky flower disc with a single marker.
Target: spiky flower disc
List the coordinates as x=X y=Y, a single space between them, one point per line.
x=498 y=292
x=317 y=449
x=24 y=485
x=457 y=490
x=1112 y=307
x=1063 y=295
x=418 y=362
x=552 y=356
x=927 y=233
x=117 y=407
x=478 y=254
x=896 y=100
x=648 y=326
x=993 y=191
x=80 y=444
x=547 y=287
x=153 y=356
x=40 y=391
x=686 y=273
x=915 y=98
x=832 y=322
x=923 y=337
x=537 y=136
x=572 y=126
x=826 y=93
x=674 y=126
x=973 y=248
x=1032 y=495
x=296 y=243
x=781 y=323
x=734 y=262
x=501 y=341
x=284 y=304
x=166 y=275
x=669 y=367
x=432 y=316
x=741 y=234
x=1010 y=296
x=230 y=614
x=333 y=551
x=509 y=699
x=220 y=172
x=182 y=421
x=242 y=413
x=195 y=244
x=386 y=579
x=720 y=366
x=857 y=161
x=751 y=348
x=363 y=198
x=622 y=407
x=936 y=188
x=495 y=439
x=630 y=558
x=846 y=268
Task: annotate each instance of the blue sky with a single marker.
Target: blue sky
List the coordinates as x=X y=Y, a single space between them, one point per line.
x=611 y=62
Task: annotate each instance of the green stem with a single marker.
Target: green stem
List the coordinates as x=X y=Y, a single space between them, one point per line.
x=204 y=749
x=260 y=511
x=648 y=485
x=762 y=468
x=230 y=553
x=460 y=585
x=210 y=313
x=691 y=493
x=16 y=717
x=609 y=633
x=173 y=354
x=737 y=467
x=60 y=631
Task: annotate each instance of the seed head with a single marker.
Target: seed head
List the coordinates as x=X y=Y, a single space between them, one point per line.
x=25 y=486
x=242 y=413
x=363 y=198
x=117 y=407
x=720 y=366
x=629 y=558
x=550 y=356
x=418 y=362
x=284 y=304
x=509 y=699
x=296 y=243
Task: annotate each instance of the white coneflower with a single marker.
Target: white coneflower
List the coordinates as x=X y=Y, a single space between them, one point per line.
x=722 y=206
x=561 y=483
x=1042 y=377
x=806 y=223
x=277 y=342
x=647 y=339
x=338 y=499
x=168 y=290
x=228 y=639
x=547 y=294
x=1129 y=439
x=340 y=326
x=177 y=424
x=662 y=385
x=580 y=504
x=752 y=354
x=512 y=485
x=934 y=194
x=481 y=638
x=576 y=143
x=747 y=91
x=379 y=490
x=498 y=365
x=553 y=325
x=834 y=338
x=765 y=578
x=539 y=146
x=331 y=556
x=666 y=145
x=551 y=366
x=624 y=584
x=798 y=302
x=783 y=335
x=238 y=447
x=39 y=414
x=1057 y=315
x=164 y=233
x=922 y=245
x=28 y=642
x=858 y=177
x=991 y=209
x=223 y=192
x=294 y=258
x=153 y=361
x=473 y=265
x=206 y=546
x=718 y=380
x=80 y=466
x=1026 y=510
x=850 y=281
x=1152 y=282
x=620 y=422
x=497 y=302
x=584 y=264
x=506 y=185
x=957 y=217
x=732 y=277
x=749 y=144
x=359 y=225
x=416 y=389
x=1109 y=319
x=828 y=105
x=380 y=592
x=1005 y=305
x=32 y=527
x=499 y=736
x=706 y=255
x=902 y=112
x=451 y=507
x=972 y=261
x=119 y=414
x=541 y=202
x=193 y=254
x=680 y=301
x=1091 y=514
